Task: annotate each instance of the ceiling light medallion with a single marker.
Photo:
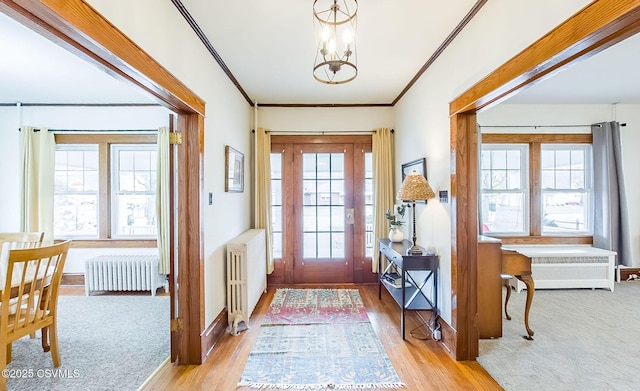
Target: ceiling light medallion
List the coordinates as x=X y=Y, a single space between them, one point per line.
x=336 y=23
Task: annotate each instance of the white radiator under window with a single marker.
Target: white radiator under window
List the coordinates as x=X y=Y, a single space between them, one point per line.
x=246 y=276
x=122 y=273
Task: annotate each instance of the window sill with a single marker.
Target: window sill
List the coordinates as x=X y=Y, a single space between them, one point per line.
x=110 y=243
x=543 y=239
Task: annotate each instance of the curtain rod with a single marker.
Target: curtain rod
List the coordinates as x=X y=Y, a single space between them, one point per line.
x=542 y=126
x=322 y=132
x=98 y=130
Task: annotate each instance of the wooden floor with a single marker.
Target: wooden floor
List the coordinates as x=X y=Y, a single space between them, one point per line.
x=421 y=364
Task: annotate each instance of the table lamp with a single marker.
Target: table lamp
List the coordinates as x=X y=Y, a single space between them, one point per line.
x=415 y=188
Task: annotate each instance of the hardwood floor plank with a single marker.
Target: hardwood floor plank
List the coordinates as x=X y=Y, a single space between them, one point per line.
x=421 y=364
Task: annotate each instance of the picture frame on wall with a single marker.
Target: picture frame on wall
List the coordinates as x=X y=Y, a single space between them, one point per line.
x=419 y=165
x=234 y=170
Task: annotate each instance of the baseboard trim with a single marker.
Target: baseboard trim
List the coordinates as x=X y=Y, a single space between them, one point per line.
x=155 y=373
x=213 y=333
x=72 y=279
x=448 y=337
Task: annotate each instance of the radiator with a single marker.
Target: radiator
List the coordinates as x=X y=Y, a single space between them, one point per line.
x=246 y=276
x=122 y=273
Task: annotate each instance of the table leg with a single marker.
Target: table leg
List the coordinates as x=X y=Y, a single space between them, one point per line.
x=505 y=282
x=528 y=281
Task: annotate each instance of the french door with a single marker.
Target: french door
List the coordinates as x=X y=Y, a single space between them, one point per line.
x=320 y=218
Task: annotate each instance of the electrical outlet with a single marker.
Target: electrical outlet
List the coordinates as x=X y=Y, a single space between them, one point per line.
x=436 y=335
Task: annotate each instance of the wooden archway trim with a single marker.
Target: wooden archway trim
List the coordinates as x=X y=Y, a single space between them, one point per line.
x=82 y=30
x=594 y=28
x=76 y=26
x=599 y=25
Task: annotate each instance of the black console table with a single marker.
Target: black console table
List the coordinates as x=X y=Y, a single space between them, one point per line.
x=410 y=294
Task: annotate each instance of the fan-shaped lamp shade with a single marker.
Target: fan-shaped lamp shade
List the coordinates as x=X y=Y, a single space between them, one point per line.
x=415 y=188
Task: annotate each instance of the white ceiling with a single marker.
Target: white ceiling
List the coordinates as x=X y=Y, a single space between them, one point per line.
x=611 y=76
x=35 y=70
x=271 y=52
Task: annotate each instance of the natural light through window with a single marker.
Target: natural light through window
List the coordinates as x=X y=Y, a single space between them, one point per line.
x=566 y=188
x=133 y=204
x=76 y=191
x=276 y=204
x=504 y=186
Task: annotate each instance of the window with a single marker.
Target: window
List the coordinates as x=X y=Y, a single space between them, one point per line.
x=566 y=188
x=536 y=185
x=76 y=191
x=504 y=186
x=105 y=187
x=133 y=184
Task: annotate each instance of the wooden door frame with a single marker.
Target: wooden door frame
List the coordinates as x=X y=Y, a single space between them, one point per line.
x=596 y=27
x=76 y=26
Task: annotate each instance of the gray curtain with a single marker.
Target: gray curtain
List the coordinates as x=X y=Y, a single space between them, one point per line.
x=611 y=217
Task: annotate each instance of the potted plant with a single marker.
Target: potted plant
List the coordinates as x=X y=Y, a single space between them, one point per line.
x=396 y=221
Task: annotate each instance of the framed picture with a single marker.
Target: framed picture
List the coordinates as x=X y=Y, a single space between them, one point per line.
x=234 y=169
x=418 y=165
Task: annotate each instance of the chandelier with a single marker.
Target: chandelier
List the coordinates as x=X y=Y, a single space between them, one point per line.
x=336 y=23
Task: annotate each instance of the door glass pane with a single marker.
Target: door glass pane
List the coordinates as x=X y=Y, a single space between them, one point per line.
x=276 y=203
x=309 y=250
x=324 y=218
x=323 y=200
x=309 y=222
x=324 y=245
x=368 y=205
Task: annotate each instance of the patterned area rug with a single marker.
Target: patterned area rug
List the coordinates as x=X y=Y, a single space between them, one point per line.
x=309 y=306
x=299 y=345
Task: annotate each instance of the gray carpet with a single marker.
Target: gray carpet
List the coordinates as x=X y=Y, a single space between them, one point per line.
x=584 y=340
x=105 y=343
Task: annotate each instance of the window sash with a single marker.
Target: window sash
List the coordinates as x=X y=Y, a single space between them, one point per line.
x=493 y=216
x=140 y=219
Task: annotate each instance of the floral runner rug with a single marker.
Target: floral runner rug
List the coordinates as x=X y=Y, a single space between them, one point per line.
x=318 y=339
x=310 y=306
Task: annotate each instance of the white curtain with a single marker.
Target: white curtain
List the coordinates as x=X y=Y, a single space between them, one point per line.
x=383 y=185
x=263 y=190
x=163 y=220
x=611 y=218
x=37 y=163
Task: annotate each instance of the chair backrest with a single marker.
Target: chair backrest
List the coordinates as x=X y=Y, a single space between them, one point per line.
x=13 y=240
x=22 y=239
x=36 y=275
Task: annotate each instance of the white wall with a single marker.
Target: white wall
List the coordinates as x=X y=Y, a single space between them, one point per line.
x=162 y=32
x=520 y=114
x=52 y=117
x=499 y=31
x=341 y=119
x=9 y=169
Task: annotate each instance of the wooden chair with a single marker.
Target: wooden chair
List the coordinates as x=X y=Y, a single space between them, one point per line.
x=19 y=240
x=22 y=239
x=33 y=278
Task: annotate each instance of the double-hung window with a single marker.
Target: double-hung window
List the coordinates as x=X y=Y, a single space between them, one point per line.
x=504 y=188
x=133 y=195
x=566 y=188
x=76 y=188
